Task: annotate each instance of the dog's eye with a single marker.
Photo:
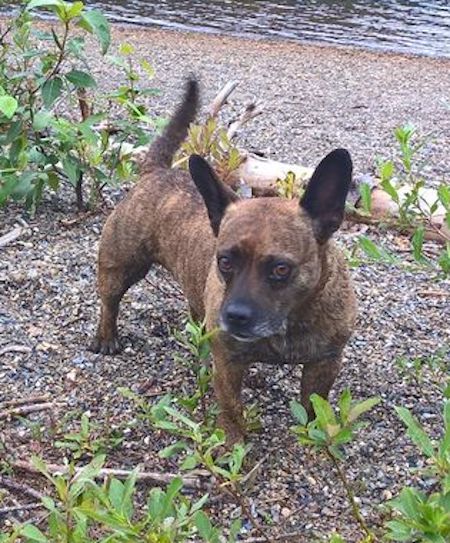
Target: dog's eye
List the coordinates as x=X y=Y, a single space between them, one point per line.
x=280 y=272
x=225 y=264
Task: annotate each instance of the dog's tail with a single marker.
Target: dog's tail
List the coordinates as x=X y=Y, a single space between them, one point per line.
x=164 y=147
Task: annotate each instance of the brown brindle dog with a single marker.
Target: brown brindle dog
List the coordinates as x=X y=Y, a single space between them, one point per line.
x=263 y=271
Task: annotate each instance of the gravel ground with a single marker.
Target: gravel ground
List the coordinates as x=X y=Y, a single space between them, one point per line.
x=317 y=98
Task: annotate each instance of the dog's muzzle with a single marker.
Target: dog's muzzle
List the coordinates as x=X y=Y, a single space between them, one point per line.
x=247 y=323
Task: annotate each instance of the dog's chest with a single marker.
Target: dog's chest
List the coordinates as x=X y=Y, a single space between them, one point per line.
x=300 y=345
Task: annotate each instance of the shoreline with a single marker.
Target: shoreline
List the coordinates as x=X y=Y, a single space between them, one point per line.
x=182 y=28
x=276 y=39
x=316 y=96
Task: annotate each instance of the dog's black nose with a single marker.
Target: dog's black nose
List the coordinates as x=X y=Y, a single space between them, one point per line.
x=238 y=314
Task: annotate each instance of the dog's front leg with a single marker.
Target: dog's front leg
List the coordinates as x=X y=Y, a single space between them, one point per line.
x=318 y=378
x=228 y=377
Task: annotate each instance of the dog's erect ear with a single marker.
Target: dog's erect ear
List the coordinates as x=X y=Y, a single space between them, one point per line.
x=217 y=195
x=325 y=195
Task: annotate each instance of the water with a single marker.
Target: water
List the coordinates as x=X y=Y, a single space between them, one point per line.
x=410 y=26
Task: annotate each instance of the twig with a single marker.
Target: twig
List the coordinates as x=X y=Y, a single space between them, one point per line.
x=250 y=112
x=25 y=410
x=145 y=476
x=355 y=217
x=27 y=507
x=282 y=537
x=11 y=236
x=221 y=98
x=23 y=401
x=15 y=349
x=8 y=483
x=254 y=468
x=351 y=497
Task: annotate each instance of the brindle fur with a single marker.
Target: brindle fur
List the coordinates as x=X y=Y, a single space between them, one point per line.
x=164 y=219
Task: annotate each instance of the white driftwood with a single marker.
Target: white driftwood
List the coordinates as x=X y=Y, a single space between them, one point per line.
x=250 y=112
x=221 y=98
x=11 y=236
x=261 y=174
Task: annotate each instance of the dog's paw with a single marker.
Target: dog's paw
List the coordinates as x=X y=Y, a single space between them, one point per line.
x=108 y=347
x=234 y=432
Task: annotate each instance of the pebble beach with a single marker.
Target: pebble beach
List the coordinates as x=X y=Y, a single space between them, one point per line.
x=316 y=98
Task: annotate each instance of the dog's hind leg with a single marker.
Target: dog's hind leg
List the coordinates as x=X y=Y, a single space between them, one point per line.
x=113 y=282
x=318 y=378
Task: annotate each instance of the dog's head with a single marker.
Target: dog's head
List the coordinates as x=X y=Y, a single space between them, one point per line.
x=271 y=251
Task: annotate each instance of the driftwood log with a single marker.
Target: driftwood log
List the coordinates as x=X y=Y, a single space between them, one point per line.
x=261 y=176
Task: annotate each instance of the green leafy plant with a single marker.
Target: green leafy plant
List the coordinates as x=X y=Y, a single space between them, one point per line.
x=426 y=370
x=422 y=516
x=289 y=187
x=82 y=508
x=89 y=441
x=329 y=432
x=212 y=142
x=49 y=131
x=404 y=179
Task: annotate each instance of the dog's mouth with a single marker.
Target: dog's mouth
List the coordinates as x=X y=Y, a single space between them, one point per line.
x=254 y=334
x=245 y=338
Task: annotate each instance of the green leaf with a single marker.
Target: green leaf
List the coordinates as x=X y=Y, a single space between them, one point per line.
x=374 y=252
x=362 y=407
x=417 y=244
x=148 y=68
x=190 y=462
x=299 y=412
x=53 y=180
x=33 y=534
x=8 y=106
x=43 y=4
x=203 y=524
x=72 y=169
x=344 y=405
x=42 y=120
x=95 y=22
x=323 y=411
x=366 y=196
x=447 y=391
x=415 y=431
x=75 y=10
x=81 y=80
x=116 y=493
x=50 y=91
x=126 y=49
x=444 y=195
x=171 y=450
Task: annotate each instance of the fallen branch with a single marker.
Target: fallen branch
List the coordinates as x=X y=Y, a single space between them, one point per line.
x=15 y=349
x=26 y=410
x=144 y=476
x=298 y=536
x=221 y=98
x=22 y=401
x=8 y=483
x=250 y=112
x=392 y=224
x=261 y=174
x=27 y=507
x=11 y=236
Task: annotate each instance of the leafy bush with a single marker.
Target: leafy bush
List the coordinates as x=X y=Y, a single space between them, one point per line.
x=418 y=516
x=84 y=511
x=45 y=84
x=212 y=142
x=403 y=177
